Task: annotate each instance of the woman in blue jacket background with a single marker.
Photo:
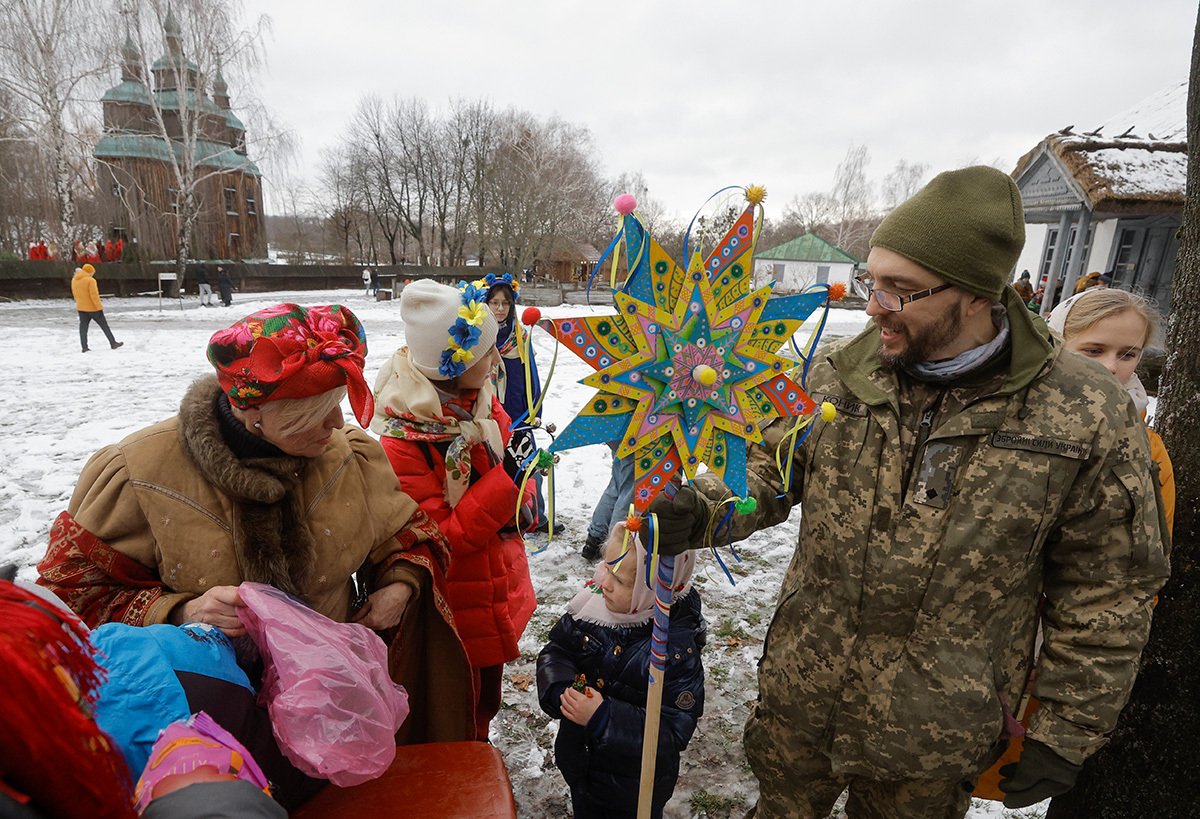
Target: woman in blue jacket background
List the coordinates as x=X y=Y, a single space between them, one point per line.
x=502 y=296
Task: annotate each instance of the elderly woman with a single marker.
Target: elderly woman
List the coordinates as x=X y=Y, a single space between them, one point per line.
x=256 y=479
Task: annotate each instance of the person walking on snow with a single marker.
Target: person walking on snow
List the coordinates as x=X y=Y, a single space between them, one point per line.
x=203 y=286
x=965 y=493
x=224 y=286
x=366 y=277
x=87 y=302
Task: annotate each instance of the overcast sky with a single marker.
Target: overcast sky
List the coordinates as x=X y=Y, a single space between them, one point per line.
x=698 y=95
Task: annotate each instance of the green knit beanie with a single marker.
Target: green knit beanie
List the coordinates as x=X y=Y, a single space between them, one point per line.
x=967 y=226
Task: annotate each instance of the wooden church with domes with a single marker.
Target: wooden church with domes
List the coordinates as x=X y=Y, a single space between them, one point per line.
x=138 y=177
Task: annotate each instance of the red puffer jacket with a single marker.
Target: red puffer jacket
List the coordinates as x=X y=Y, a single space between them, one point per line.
x=489 y=588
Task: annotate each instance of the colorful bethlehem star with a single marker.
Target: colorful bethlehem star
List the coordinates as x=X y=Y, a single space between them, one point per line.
x=690 y=364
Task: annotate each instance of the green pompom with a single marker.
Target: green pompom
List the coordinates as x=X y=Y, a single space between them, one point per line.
x=545 y=460
x=746 y=506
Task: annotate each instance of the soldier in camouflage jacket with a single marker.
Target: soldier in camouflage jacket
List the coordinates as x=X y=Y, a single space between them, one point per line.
x=939 y=508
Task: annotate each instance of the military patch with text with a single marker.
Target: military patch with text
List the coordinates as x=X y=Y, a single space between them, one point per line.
x=1038 y=443
x=843 y=403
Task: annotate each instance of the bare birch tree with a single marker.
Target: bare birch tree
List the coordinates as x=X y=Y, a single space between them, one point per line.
x=904 y=180
x=48 y=66
x=852 y=201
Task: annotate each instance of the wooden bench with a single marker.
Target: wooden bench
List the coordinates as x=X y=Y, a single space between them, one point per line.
x=442 y=780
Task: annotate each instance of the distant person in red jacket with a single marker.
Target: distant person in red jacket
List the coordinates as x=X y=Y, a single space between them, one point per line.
x=445 y=433
x=110 y=252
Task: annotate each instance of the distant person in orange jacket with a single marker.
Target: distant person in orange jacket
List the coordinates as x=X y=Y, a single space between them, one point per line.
x=87 y=302
x=1023 y=287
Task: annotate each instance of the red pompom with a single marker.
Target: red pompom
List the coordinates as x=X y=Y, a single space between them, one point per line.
x=633 y=523
x=531 y=316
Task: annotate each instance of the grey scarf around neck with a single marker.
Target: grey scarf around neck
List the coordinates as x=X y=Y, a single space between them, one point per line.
x=965 y=362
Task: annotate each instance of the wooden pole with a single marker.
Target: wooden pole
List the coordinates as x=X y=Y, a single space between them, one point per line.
x=657 y=679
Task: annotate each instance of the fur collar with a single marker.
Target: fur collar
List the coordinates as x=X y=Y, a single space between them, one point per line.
x=255 y=479
x=264 y=491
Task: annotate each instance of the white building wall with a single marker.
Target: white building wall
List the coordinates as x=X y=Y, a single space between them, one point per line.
x=799 y=275
x=1102 y=241
x=1031 y=254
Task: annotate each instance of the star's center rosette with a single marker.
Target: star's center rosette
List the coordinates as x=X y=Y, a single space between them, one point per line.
x=689 y=365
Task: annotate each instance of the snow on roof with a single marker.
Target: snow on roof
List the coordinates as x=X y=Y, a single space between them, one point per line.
x=1136 y=160
x=1138 y=173
x=1161 y=117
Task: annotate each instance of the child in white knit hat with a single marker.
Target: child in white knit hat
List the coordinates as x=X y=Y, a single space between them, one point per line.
x=445 y=433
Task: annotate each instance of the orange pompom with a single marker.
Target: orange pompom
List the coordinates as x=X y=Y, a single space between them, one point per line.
x=633 y=523
x=837 y=291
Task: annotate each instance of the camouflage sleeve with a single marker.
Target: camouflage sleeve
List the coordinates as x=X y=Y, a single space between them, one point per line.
x=764 y=483
x=1104 y=563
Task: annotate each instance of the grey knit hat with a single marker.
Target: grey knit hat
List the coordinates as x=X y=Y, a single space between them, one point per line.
x=967 y=226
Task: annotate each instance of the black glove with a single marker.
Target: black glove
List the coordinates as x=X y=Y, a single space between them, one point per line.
x=1039 y=774
x=682 y=521
x=519 y=448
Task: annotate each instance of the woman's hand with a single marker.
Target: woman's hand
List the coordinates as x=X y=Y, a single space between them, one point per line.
x=385 y=607
x=217 y=607
x=579 y=706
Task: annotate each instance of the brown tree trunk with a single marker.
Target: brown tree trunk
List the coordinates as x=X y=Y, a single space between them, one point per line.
x=1149 y=766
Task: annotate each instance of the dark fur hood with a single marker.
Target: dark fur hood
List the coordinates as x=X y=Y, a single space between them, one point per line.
x=263 y=491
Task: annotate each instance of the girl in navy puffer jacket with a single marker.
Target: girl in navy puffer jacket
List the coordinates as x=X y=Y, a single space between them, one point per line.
x=592 y=676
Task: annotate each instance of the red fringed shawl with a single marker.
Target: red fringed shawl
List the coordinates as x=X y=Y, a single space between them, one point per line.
x=54 y=756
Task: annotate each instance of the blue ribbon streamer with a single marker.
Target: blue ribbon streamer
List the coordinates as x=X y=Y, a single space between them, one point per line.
x=603 y=256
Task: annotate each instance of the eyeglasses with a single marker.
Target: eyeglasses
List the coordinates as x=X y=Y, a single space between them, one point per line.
x=864 y=288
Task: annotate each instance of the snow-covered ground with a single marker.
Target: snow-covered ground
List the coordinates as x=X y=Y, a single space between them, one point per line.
x=61 y=405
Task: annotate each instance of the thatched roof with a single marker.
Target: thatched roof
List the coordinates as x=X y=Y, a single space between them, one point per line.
x=1136 y=161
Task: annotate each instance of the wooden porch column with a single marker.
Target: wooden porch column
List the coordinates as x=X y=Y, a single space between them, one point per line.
x=1076 y=268
x=1064 y=224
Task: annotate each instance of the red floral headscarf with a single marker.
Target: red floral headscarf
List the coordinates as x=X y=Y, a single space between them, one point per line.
x=289 y=351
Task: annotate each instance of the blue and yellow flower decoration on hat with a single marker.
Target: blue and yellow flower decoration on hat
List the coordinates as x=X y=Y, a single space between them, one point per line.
x=464 y=333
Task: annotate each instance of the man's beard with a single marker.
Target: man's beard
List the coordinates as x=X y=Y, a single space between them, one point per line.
x=920 y=346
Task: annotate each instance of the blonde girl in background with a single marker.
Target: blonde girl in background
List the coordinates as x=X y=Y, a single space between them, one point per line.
x=1114 y=328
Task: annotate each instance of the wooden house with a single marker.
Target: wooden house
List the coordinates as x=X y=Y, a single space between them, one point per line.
x=1108 y=200
x=805 y=260
x=136 y=173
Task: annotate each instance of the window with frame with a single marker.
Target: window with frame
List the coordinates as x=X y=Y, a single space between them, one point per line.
x=1128 y=249
x=231 y=201
x=173 y=203
x=1047 y=256
x=822 y=274
x=251 y=207
x=1069 y=250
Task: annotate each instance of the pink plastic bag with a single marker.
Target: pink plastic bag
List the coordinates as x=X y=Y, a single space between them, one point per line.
x=333 y=706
